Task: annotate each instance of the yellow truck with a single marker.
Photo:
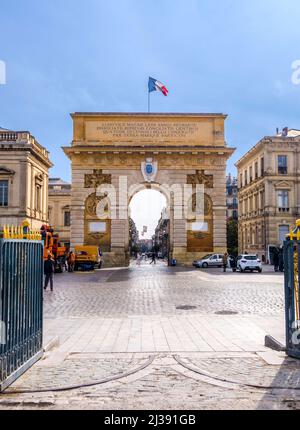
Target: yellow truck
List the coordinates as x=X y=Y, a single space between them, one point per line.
x=88 y=258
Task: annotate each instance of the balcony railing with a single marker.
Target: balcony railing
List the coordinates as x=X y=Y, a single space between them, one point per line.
x=8 y=136
x=23 y=138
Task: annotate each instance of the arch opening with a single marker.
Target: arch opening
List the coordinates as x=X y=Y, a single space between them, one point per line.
x=149 y=223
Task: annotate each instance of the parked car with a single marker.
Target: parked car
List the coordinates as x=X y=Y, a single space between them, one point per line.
x=249 y=262
x=211 y=260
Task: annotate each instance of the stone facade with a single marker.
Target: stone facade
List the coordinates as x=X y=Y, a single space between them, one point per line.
x=60 y=209
x=269 y=193
x=24 y=166
x=162 y=235
x=111 y=148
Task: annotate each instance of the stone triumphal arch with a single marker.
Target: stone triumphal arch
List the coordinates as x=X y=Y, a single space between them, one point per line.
x=115 y=155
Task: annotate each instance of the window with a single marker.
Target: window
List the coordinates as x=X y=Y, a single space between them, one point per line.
x=250 y=257
x=3 y=193
x=251 y=174
x=246 y=177
x=256 y=202
x=250 y=204
x=282 y=164
x=262 y=166
x=283 y=201
x=262 y=200
x=38 y=197
x=67 y=218
x=241 y=180
x=256 y=170
x=283 y=231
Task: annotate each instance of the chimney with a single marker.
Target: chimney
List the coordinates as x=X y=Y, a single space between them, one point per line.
x=277 y=131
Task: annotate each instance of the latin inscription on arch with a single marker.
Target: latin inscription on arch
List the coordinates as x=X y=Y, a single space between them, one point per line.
x=141 y=130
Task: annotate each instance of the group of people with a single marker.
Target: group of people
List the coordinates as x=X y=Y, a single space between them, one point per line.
x=67 y=260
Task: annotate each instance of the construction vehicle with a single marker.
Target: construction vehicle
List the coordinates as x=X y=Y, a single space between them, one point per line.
x=88 y=258
x=53 y=247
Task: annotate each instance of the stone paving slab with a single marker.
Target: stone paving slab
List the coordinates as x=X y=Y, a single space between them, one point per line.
x=190 y=333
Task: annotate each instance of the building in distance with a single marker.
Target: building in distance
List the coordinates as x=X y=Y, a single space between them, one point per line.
x=24 y=166
x=60 y=209
x=269 y=193
x=231 y=197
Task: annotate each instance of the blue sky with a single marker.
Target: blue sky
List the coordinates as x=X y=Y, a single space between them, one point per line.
x=230 y=56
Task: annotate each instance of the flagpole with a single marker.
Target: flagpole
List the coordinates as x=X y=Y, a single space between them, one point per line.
x=148 y=101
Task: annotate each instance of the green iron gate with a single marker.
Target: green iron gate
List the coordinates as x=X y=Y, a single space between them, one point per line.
x=292 y=291
x=21 y=307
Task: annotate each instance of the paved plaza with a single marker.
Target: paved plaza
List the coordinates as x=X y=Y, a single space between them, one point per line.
x=161 y=338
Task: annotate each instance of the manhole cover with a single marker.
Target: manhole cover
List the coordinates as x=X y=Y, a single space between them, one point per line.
x=186 y=308
x=226 y=313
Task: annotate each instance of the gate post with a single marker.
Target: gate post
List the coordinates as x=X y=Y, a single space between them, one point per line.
x=21 y=302
x=292 y=290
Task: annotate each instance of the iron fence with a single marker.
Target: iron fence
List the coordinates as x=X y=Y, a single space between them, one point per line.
x=21 y=307
x=292 y=289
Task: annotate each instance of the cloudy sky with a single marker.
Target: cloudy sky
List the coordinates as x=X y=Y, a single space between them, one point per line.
x=231 y=56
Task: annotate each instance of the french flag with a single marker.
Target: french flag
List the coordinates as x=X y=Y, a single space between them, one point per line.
x=155 y=85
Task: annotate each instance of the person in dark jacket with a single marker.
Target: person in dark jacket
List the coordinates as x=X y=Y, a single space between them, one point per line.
x=233 y=263
x=49 y=269
x=281 y=260
x=276 y=259
x=153 y=258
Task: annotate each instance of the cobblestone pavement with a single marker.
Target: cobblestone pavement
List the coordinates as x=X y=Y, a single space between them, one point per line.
x=162 y=385
x=160 y=290
x=125 y=324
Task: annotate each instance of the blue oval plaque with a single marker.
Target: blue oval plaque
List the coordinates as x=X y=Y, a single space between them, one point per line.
x=149 y=169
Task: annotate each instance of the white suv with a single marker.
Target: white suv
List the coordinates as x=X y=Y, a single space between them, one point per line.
x=249 y=262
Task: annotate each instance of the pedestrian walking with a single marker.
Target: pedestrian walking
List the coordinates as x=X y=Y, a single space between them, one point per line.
x=281 y=260
x=233 y=263
x=65 y=260
x=49 y=269
x=225 y=262
x=71 y=262
x=153 y=258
